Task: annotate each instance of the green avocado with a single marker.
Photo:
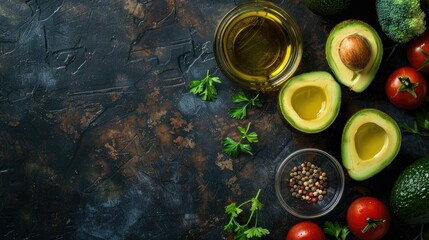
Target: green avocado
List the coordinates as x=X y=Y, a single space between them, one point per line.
x=310 y=102
x=327 y=7
x=410 y=193
x=370 y=141
x=354 y=52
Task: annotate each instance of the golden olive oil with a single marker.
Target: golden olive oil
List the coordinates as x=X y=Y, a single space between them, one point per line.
x=309 y=102
x=370 y=140
x=256 y=46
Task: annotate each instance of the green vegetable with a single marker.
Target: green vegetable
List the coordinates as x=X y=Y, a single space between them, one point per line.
x=205 y=87
x=241 y=112
x=410 y=193
x=233 y=148
x=335 y=230
x=245 y=231
x=413 y=129
x=401 y=20
x=420 y=124
x=422 y=118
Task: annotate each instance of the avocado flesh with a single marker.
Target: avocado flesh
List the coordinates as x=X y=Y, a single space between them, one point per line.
x=371 y=140
x=311 y=101
x=410 y=193
x=357 y=81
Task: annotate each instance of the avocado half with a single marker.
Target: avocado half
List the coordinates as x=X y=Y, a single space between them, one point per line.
x=310 y=102
x=370 y=141
x=356 y=80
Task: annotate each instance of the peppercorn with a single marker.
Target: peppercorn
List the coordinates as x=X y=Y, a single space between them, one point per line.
x=308 y=182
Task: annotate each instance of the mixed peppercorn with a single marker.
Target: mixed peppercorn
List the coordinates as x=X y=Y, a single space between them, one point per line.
x=308 y=182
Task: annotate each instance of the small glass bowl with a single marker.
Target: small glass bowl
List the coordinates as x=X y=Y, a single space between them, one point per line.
x=258 y=45
x=335 y=188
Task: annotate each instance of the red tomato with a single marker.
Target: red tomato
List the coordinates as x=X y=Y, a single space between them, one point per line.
x=418 y=52
x=305 y=231
x=368 y=218
x=406 y=88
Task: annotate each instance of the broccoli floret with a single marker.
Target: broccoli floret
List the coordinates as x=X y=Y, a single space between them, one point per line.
x=401 y=20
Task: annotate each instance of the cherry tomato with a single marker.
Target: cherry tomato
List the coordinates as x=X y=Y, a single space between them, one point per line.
x=406 y=88
x=368 y=218
x=418 y=52
x=305 y=230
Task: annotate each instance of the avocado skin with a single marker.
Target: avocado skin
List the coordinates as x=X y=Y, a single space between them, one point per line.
x=410 y=193
x=327 y=7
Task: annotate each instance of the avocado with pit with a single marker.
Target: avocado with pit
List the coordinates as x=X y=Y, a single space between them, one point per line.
x=310 y=101
x=370 y=141
x=409 y=198
x=354 y=52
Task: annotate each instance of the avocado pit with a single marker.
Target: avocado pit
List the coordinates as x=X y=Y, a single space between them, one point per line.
x=355 y=52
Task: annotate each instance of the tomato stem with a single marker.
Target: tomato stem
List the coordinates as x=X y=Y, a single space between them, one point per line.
x=426 y=62
x=372 y=223
x=407 y=85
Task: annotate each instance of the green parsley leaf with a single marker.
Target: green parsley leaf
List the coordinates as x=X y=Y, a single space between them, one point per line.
x=252 y=137
x=422 y=118
x=242 y=130
x=256 y=204
x=233 y=210
x=240 y=229
x=229 y=227
x=335 y=230
x=230 y=147
x=233 y=148
x=238 y=113
x=240 y=234
x=416 y=128
x=241 y=112
x=246 y=148
x=256 y=232
x=244 y=231
x=420 y=124
x=239 y=97
x=205 y=87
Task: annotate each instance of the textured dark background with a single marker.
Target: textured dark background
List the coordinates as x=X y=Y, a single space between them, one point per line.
x=101 y=139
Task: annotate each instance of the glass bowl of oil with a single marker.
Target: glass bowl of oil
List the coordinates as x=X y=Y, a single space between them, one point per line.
x=258 y=45
x=288 y=190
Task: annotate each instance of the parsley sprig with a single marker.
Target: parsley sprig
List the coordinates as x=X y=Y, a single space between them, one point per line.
x=205 y=87
x=335 y=230
x=245 y=231
x=241 y=112
x=423 y=235
x=420 y=125
x=233 y=148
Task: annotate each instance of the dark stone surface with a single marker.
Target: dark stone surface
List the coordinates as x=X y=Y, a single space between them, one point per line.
x=101 y=139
